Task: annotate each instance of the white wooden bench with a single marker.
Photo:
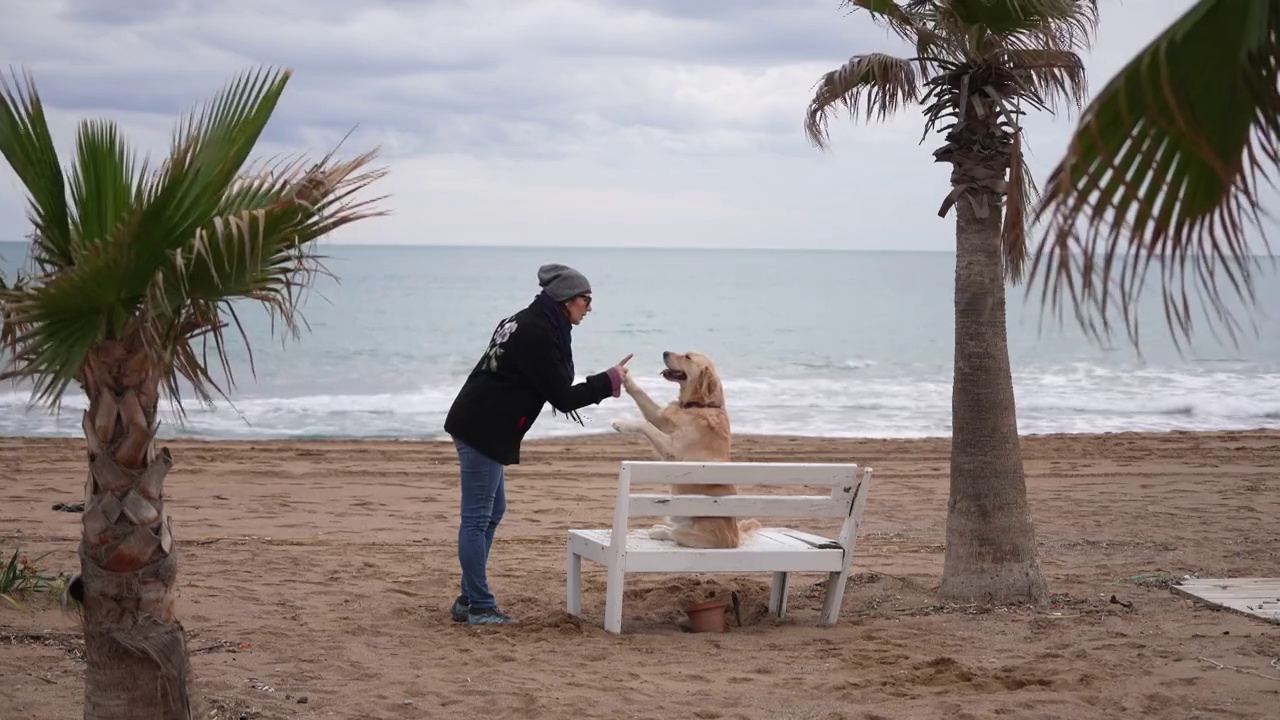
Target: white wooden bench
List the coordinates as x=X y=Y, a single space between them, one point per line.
x=778 y=550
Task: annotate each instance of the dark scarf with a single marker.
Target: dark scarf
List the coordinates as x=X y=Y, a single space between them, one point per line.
x=555 y=314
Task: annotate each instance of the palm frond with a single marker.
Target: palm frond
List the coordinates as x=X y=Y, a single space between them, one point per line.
x=28 y=146
x=11 y=328
x=902 y=19
x=97 y=295
x=58 y=318
x=260 y=249
x=1021 y=196
x=1048 y=78
x=210 y=147
x=160 y=258
x=1059 y=24
x=876 y=85
x=1164 y=170
x=917 y=23
x=104 y=182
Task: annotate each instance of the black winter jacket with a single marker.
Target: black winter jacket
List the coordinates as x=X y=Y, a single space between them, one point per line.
x=520 y=371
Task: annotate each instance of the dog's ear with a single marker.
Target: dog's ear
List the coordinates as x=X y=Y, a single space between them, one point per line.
x=706 y=388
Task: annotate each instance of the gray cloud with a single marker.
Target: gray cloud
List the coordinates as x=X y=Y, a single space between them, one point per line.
x=422 y=67
x=115 y=15
x=546 y=120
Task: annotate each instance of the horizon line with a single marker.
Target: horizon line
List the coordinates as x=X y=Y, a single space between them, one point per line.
x=500 y=246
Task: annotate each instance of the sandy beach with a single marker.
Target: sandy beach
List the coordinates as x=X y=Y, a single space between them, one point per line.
x=316 y=578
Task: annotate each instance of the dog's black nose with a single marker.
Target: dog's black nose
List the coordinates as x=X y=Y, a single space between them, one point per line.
x=666 y=354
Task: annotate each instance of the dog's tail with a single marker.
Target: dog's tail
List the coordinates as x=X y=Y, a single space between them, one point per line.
x=748 y=526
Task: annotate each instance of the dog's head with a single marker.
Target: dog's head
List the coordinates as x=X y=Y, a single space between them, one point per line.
x=697 y=377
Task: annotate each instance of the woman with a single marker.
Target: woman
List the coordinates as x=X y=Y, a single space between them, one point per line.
x=529 y=362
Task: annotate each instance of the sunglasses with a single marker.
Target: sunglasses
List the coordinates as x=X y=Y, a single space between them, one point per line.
x=587 y=299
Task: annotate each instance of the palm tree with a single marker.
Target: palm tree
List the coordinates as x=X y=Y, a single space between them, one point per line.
x=977 y=65
x=1164 y=170
x=132 y=268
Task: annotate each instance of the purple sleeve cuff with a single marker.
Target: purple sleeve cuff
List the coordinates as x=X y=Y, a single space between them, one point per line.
x=615 y=379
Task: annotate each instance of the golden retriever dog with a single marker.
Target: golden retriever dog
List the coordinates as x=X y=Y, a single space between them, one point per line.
x=693 y=427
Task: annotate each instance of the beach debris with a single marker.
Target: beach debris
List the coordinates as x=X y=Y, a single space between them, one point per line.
x=73 y=507
x=1161 y=580
x=218 y=646
x=259 y=685
x=1246 y=671
x=221 y=709
x=1122 y=603
x=1058 y=603
x=71 y=643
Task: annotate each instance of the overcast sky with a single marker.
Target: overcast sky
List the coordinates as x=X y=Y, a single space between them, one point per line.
x=541 y=122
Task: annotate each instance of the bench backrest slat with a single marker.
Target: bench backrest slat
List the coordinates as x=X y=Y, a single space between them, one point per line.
x=759 y=506
x=738 y=473
x=839 y=480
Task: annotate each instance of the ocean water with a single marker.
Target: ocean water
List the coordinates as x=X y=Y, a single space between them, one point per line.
x=821 y=343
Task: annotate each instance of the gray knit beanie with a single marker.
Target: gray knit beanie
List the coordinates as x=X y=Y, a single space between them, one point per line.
x=562 y=282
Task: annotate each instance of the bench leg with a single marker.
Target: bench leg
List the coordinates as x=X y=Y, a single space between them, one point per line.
x=613 y=600
x=778 y=597
x=834 y=597
x=573 y=583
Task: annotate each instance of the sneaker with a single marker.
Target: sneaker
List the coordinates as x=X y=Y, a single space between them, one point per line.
x=489 y=616
x=459 y=609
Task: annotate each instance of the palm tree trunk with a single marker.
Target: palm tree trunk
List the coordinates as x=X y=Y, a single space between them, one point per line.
x=991 y=543
x=136 y=664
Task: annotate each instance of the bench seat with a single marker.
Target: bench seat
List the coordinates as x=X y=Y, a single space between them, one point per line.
x=767 y=550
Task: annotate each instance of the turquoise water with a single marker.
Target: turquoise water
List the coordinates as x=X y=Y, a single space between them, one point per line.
x=813 y=342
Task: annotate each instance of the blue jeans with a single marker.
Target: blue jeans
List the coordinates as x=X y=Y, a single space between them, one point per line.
x=484 y=501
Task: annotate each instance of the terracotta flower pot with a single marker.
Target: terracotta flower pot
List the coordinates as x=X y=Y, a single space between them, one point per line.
x=707 y=616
